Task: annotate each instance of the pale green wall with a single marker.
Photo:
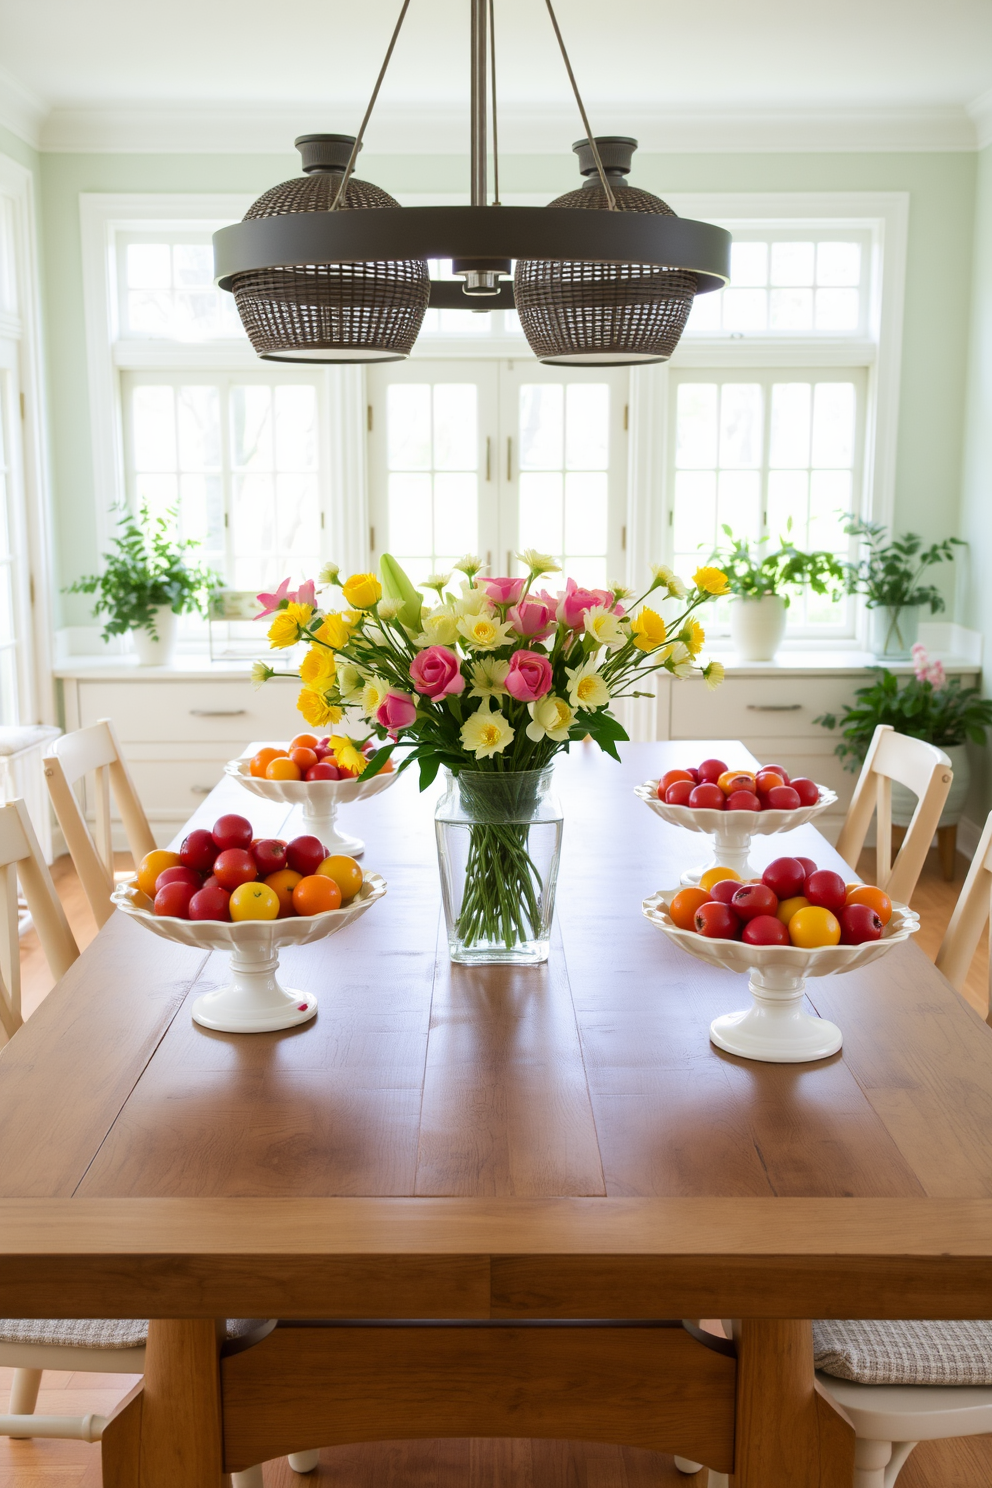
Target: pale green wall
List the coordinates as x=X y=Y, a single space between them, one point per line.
x=941 y=188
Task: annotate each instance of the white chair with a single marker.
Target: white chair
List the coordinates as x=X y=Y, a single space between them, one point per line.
x=21 y=857
x=970 y=917
x=920 y=767
x=96 y=752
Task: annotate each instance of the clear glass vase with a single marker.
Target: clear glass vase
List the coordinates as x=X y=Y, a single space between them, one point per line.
x=498 y=846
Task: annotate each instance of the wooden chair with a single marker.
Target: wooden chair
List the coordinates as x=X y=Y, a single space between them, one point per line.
x=920 y=767
x=21 y=857
x=96 y=752
x=970 y=917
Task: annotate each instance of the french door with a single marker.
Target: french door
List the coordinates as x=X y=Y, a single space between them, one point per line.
x=15 y=623
x=491 y=457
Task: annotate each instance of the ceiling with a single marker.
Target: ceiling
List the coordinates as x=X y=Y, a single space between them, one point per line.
x=916 y=59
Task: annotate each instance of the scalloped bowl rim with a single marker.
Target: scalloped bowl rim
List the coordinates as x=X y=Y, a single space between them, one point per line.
x=125 y=892
x=707 y=819
x=803 y=960
x=296 y=792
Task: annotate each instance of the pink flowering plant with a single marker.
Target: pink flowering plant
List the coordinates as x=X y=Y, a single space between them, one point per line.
x=494 y=674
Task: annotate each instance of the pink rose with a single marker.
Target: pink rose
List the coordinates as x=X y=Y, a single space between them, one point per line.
x=529 y=677
x=396 y=711
x=574 y=602
x=502 y=591
x=534 y=617
x=436 y=673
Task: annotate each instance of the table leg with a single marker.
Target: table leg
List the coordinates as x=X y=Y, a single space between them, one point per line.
x=181 y=1430
x=788 y=1434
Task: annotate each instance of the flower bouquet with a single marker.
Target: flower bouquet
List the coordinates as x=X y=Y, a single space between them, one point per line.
x=490 y=680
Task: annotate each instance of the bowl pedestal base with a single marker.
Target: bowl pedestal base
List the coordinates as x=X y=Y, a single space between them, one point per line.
x=776 y=1029
x=323 y=824
x=731 y=847
x=253 y=1001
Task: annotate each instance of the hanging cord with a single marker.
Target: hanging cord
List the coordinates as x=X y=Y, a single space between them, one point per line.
x=610 y=198
x=492 y=56
x=368 y=112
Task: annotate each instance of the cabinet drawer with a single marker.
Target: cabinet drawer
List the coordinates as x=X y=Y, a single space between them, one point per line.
x=146 y=712
x=175 y=786
x=745 y=707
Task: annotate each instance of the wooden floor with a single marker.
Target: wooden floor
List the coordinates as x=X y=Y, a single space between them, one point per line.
x=445 y=1464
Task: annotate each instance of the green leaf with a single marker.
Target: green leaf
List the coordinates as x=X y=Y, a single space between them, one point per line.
x=429 y=766
x=377 y=761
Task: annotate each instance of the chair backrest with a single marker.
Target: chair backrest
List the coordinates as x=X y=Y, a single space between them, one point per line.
x=96 y=752
x=920 y=767
x=957 y=949
x=21 y=857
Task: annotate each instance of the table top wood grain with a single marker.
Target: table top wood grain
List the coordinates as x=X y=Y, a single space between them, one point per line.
x=497 y=1109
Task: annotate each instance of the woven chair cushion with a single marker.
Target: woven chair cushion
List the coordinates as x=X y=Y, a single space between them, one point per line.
x=95 y=1333
x=905 y=1353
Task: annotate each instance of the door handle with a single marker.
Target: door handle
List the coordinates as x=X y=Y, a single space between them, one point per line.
x=489 y=458
x=774 y=707
x=217 y=712
x=509 y=458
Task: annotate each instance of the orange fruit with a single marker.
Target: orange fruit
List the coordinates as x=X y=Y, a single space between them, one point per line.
x=254 y=901
x=669 y=778
x=261 y=760
x=346 y=873
x=283 y=883
x=315 y=894
x=283 y=769
x=303 y=758
x=683 y=907
x=876 y=899
x=303 y=741
x=814 y=926
x=715 y=875
x=151 y=865
x=728 y=776
x=788 y=907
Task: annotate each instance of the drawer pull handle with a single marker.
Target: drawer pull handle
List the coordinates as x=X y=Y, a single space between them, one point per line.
x=201 y=790
x=774 y=707
x=217 y=712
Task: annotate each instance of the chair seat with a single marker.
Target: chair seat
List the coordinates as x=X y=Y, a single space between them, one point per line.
x=95 y=1333
x=905 y=1353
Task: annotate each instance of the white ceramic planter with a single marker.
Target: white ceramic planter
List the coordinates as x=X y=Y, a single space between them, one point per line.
x=320 y=800
x=904 y=802
x=152 y=652
x=757 y=626
x=254 y=1001
x=776 y=1028
x=731 y=830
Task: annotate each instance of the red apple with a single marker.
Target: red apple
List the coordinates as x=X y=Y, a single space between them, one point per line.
x=725 y=890
x=716 y=921
x=678 y=793
x=743 y=800
x=707 y=794
x=807 y=863
x=305 y=855
x=807 y=790
x=173 y=900
x=779 y=770
x=323 y=770
x=232 y=831
x=782 y=798
x=711 y=770
x=211 y=903
x=670 y=777
x=859 y=923
x=785 y=877
x=198 y=851
x=179 y=875
x=235 y=866
x=270 y=855
x=826 y=889
x=765 y=930
x=694 y=772
x=752 y=900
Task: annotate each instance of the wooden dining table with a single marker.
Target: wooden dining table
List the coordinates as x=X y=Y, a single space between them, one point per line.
x=496 y=1146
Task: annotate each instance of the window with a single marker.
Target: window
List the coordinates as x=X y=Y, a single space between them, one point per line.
x=10 y=650
x=789 y=282
x=166 y=289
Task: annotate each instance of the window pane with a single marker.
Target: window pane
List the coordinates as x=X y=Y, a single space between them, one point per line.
x=193 y=263
x=696 y=425
x=837 y=309
x=788 y=499
x=833 y=423
x=542 y=407
x=541 y=513
x=296 y=428
x=740 y=424
x=198 y=410
x=298 y=516
x=585 y=513
x=838 y=263
x=792 y=263
x=251 y=409
x=790 y=424
x=456 y=439
x=695 y=510
x=410 y=513
x=154 y=428
x=587 y=429
x=748 y=263
x=201 y=506
x=745 y=309
x=739 y=503
x=408 y=426
x=456 y=512
x=790 y=309
x=149 y=266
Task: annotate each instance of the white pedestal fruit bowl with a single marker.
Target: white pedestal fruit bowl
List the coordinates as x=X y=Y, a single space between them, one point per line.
x=731 y=830
x=320 y=800
x=776 y=1028
x=254 y=1001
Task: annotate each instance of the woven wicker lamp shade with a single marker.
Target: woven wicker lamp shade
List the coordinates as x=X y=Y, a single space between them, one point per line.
x=365 y=311
x=595 y=314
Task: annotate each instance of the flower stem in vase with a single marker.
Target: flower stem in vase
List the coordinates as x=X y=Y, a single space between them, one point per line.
x=503 y=889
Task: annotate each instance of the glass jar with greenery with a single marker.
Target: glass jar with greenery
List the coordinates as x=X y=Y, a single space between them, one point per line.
x=889 y=575
x=762 y=584
x=146 y=583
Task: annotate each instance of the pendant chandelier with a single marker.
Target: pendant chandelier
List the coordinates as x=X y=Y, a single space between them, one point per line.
x=329 y=268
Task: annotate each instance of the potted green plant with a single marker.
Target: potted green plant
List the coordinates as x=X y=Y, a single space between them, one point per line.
x=146 y=583
x=888 y=574
x=930 y=706
x=761 y=585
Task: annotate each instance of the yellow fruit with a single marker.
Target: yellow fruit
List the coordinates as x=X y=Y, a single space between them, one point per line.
x=346 y=873
x=151 y=865
x=789 y=907
x=715 y=875
x=814 y=926
x=254 y=901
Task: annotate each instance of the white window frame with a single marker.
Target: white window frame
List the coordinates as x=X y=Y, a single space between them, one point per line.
x=886 y=216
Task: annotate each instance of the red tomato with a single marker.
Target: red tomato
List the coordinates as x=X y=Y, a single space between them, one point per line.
x=717 y=921
x=767 y=780
x=173 y=900
x=752 y=900
x=178 y=875
x=198 y=851
x=234 y=866
x=210 y=904
x=743 y=800
x=711 y=770
x=765 y=930
x=779 y=770
x=859 y=923
x=305 y=855
x=669 y=778
x=708 y=794
x=232 y=831
x=806 y=789
x=807 y=863
x=323 y=770
x=269 y=854
x=782 y=798
x=678 y=793
x=785 y=877
x=724 y=890
x=827 y=890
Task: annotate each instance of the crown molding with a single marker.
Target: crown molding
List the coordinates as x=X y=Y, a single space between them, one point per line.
x=523 y=130
x=21 y=111
x=980 y=112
